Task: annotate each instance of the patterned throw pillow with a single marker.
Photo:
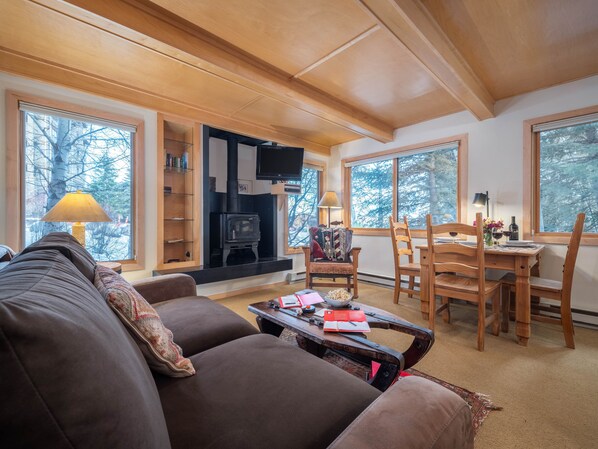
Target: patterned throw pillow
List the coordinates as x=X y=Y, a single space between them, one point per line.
x=330 y=244
x=143 y=322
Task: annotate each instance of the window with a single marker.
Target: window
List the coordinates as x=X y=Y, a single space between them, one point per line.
x=371 y=194
x=302 y=210
x=414 y=181
x=564 y=162
x=427 y=184
x=63 y=149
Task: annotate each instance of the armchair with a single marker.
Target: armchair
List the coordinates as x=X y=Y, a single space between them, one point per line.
x=329 y=256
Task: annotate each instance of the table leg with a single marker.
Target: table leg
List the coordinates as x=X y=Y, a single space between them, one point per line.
x=522 y=294
x=311 y=346
x=535 y=271
x=268 y=327
x=424 y=291
x=385 y=376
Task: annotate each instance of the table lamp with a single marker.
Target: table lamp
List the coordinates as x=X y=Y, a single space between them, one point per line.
x=77 y=208
x=330 y=201
x=481 y=200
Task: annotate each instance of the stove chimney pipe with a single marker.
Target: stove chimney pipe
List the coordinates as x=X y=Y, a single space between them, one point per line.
x=232 y=175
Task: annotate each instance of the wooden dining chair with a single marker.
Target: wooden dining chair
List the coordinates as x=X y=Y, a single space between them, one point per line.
x=457 y=270
x=550 y=289
x=402 y=246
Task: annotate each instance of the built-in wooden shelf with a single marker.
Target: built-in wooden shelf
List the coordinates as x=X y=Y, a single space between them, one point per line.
x=179 y=209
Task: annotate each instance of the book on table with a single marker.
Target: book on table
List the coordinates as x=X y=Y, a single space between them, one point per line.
x=303 y=298
x=345 y=321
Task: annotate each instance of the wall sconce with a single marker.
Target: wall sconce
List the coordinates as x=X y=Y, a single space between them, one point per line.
x=481 y=200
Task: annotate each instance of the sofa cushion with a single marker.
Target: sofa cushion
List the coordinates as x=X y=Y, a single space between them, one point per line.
x=260 y=392
x=198 y=323
x=330 y=244
x=70 y=247
x=71 y=375
x=161 y=353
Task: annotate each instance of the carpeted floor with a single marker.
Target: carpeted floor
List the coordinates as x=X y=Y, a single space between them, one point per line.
x=549 y=393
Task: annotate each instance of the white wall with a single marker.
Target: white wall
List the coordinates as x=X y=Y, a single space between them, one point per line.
x=495 y=164
x=247 y=156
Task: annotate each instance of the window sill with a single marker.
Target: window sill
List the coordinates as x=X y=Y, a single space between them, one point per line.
x=561 y=238
x=297 y=250
x=371 y=231
x=132 y=266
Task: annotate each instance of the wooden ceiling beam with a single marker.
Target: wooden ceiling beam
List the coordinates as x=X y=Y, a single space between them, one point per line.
x=36 y=68
x=146 y=24
x=412 y=25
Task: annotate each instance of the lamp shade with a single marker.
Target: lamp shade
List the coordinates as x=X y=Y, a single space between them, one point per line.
x=330 y=200
x=76 y=207
x=480 y=199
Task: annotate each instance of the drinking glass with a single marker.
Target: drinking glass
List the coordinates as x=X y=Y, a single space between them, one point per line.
x=453 y=235
x=497 y=234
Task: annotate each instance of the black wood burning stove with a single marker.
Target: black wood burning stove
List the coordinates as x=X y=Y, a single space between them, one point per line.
x=234 y=231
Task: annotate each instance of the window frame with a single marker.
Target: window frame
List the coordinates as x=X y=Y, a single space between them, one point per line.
x=15 y=170
x=321 y=167
x=531 y=181
x=462 y=157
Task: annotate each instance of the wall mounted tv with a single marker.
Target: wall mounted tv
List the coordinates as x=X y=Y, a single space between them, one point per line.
x=274 y=162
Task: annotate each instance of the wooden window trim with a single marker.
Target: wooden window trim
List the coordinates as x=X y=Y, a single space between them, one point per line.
x=15 y=166
x=462 y=156
x=321 y=177
x=531 y=182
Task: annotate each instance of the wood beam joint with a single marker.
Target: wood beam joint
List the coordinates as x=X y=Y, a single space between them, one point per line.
x=410 y=23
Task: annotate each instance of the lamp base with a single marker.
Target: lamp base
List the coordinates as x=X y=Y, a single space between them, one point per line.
x=78 y=232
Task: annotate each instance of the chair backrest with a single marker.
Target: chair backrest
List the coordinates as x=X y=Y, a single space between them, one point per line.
x=467 y=260
x=330 y=244
x=400 y=234
x=572 y=250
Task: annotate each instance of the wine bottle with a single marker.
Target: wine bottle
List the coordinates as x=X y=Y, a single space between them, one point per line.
x=514 y=230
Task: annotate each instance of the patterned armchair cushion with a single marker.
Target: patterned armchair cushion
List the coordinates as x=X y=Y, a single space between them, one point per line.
x=330 y=244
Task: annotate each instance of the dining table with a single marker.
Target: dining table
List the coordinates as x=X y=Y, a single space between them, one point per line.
x=524 y=261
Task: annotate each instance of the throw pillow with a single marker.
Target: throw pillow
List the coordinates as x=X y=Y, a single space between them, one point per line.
x=143 y=322
x=330 y=244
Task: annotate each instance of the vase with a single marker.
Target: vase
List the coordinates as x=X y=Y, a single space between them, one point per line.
x=488 y=238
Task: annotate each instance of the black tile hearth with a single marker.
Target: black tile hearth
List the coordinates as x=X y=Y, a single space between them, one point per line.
x=205 y=274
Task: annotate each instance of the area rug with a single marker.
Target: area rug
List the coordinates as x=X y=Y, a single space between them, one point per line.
x=479 y=404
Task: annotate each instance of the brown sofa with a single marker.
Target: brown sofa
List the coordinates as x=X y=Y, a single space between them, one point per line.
x=71 y=376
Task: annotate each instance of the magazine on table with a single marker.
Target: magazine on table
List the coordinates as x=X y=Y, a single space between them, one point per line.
x=302 y=298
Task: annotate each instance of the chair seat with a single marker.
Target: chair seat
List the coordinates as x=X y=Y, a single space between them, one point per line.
x=536 y=283
x=410 y=267
x=331 y=268
x=463 y=284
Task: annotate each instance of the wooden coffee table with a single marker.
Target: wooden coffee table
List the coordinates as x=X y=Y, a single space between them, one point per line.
x=271 y=319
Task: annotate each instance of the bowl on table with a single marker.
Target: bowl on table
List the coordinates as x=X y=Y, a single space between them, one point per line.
x=338 y=298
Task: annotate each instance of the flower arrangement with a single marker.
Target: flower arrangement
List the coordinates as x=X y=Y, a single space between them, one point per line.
x=488 y=227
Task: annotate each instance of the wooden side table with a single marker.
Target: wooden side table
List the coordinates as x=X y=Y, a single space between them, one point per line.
x=116 y=266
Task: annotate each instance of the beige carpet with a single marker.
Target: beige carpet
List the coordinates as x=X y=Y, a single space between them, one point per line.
x=549 y=393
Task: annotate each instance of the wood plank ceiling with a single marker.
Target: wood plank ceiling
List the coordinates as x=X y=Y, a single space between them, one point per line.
x=311 y=73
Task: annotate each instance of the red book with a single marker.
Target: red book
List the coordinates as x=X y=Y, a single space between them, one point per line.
x=345 y=321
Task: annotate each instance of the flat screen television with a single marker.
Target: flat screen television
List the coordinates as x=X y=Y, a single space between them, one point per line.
x=275 y=162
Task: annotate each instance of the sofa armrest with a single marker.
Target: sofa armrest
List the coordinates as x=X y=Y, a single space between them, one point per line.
x=414 y=413
x=163 y=288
